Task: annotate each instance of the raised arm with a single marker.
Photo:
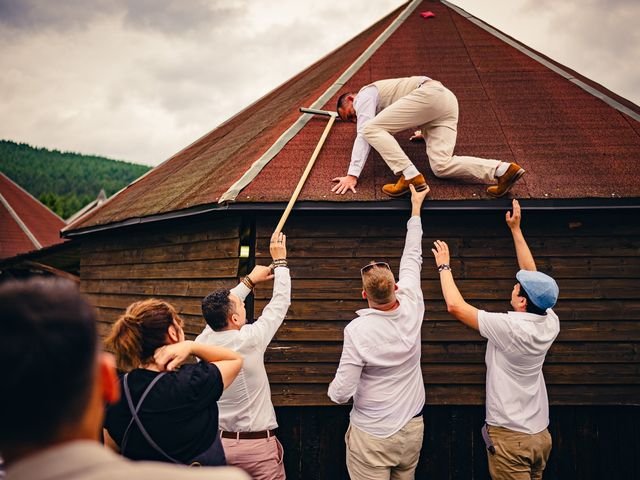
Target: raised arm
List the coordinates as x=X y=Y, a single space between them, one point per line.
x=456 y=305
x=266 y=326
x=172 y=356
x=411 y=262
x=525 y=259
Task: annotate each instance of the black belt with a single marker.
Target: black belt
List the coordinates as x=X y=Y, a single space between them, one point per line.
x=248 y=435
x=419 y=414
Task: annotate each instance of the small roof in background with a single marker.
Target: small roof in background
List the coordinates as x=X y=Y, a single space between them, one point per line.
x=27 y=224
x=100 y=199
x=576 y=139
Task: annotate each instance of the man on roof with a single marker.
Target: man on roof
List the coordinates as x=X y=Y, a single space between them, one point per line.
x=517 y=408
x=386 y=107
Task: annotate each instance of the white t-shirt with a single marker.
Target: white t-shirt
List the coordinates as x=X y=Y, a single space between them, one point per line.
x=516 y=392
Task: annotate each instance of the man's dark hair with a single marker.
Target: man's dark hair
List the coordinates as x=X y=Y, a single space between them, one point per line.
x=216 y=308
x=48 y=342
x=341 y=101
x=531 y=307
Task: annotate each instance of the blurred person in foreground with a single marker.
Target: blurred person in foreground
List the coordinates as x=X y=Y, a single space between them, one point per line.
x=56 y=381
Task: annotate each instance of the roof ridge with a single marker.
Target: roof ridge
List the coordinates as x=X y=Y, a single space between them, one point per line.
x=257 y=166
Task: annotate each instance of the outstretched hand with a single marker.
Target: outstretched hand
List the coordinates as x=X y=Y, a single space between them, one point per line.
x=260 y=274
x=441 y=253
x=513 y=219
x=344 y=184
x=417 y=136
x=278 y=246
x=418 y=197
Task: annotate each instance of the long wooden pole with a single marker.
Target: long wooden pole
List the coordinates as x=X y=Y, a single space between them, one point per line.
x=306 y=172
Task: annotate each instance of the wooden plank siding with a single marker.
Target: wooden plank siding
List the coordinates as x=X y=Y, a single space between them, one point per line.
x=589 y=443
x=180 y=267
x=593 y=256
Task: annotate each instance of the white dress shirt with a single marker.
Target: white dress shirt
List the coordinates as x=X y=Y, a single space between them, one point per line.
x=517 y=346
x=380 y=363
x=245 y=406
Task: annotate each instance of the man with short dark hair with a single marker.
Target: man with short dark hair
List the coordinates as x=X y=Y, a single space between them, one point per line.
x=55 y=383
x=247 y=417
x=386 y=107
x=380 y=366
x=517 y=407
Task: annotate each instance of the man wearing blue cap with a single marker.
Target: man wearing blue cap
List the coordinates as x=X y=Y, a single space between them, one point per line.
x=517 y=408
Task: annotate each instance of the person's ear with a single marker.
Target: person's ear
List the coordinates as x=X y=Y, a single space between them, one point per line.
x=364 y=295
x=174 y=335
x=522 y=302
x=109 y=379
x=395 y=287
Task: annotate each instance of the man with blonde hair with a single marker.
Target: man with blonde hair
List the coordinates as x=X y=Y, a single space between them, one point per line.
x=380 y=366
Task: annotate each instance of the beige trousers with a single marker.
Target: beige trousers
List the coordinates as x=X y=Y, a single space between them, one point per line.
x=518 y=456
x=434 y=109
x=374 y=458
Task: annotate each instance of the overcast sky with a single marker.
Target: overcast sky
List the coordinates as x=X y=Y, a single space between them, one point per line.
x=138 y=80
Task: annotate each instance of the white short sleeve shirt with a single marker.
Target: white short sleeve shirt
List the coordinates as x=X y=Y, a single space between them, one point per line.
x=517 y=346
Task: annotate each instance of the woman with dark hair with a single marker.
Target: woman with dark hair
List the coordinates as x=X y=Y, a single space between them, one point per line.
x=167 y=411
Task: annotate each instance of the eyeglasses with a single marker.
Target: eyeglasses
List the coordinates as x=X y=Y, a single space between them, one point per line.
x=369 y=266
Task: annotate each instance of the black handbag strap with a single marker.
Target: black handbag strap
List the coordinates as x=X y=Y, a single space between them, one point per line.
x=135 y=418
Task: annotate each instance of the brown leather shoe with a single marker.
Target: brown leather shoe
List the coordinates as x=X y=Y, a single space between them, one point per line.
x=506 y=181
x=401 y=187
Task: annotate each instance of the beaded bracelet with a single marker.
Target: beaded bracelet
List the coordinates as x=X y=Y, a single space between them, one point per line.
x=444 y=266
x=248 y=283
x=281 y=262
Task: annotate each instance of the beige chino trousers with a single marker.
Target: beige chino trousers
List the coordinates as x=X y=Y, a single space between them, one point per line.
x=433 y=108
x=395 y=457
x=519 y=456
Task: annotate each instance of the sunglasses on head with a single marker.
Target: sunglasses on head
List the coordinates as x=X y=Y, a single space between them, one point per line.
x=369 y=266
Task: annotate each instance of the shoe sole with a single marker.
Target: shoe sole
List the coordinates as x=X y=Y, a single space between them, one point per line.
x=420 y=188
x=513 y=181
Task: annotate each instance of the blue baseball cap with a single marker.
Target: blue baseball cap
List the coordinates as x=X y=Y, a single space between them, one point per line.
x=541 y=288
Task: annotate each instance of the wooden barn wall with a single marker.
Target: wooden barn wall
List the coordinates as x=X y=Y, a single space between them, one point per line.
x=179 y=261
x=592 y=255
x=589 y=443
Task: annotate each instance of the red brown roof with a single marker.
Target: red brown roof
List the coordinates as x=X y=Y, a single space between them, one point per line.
x=576 y=139
x=26 y=223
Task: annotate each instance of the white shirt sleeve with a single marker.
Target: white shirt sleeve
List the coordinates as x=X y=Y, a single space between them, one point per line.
x=365 y=105
x=345 y=383
x=241 y=291
x=411 y=262
x=265 y=327
x=497 y=328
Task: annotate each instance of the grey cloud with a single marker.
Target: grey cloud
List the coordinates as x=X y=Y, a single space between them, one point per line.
x=29 y=15
x=179 y=17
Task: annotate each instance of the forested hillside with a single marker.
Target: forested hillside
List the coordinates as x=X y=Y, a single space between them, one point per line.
x=64 y=181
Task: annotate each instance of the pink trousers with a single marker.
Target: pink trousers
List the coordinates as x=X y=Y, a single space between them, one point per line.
x=261 y=458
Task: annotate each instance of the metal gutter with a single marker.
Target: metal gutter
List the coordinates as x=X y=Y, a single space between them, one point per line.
x=580 y=204
x=20 y=223
x=253 y=171
x=550 y=65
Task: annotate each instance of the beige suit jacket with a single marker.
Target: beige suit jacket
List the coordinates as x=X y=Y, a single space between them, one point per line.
x=87 y=460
